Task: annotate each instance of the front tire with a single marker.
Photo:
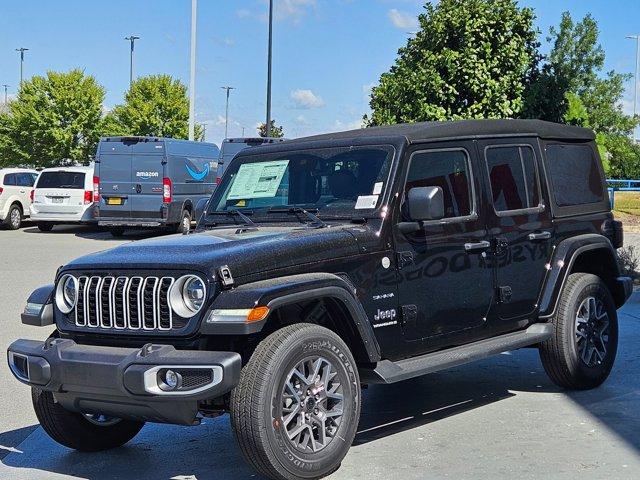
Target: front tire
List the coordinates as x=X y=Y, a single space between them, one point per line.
x=582 y=350
x=296 y=408
x=81 y=432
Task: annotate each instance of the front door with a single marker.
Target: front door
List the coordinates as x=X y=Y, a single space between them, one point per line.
x=520 y=228
x=444 y=274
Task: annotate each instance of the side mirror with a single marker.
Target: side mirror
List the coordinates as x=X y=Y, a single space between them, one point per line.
x=423 y=204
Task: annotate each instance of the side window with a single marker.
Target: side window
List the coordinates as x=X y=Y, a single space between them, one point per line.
x=513 y=177
x=10 y=179
x=24 y=180
x=575 y=175
x=449 y=170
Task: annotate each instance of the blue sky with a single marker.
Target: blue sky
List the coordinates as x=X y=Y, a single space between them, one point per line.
x=327 y=53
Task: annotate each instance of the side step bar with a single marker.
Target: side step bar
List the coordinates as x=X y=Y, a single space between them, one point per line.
x=387 y=371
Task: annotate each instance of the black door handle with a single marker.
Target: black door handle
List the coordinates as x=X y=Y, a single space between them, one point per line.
x=476 y=247
x=138 y=188
x=539 y=236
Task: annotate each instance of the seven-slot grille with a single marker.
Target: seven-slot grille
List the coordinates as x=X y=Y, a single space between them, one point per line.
x=132 y=303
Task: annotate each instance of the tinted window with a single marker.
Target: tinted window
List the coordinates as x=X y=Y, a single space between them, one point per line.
x=10 y=179
x=448 y=170
x=574 y=174
x=514 y=181
x=24 y=179
x=61 y=179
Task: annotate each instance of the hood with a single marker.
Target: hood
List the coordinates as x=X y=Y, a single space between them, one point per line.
x=245 y=252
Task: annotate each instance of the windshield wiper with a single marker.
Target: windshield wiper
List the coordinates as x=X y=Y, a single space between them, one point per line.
x=235 y=212
x=315 y=221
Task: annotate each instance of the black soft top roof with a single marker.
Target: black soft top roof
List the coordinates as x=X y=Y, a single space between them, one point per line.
x=417 y=132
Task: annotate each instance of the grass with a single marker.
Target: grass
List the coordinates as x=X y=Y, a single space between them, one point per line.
x=627 y=208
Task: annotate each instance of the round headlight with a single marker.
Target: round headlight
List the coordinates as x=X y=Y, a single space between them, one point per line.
x=187 y=296
x=67 y=293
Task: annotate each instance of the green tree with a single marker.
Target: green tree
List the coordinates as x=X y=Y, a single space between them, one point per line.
x=276 y=130
x=469 y=59
x=55 y=120
x=156 y=105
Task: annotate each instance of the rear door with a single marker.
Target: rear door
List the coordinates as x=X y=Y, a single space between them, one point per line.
x=147 y=169
x=520 y=227
x=60 y=192
x=113 y=168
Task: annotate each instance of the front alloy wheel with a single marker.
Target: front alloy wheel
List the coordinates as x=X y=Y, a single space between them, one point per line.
x=312 y=402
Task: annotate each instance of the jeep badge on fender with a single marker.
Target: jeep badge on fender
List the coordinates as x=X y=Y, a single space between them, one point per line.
x=320 y=265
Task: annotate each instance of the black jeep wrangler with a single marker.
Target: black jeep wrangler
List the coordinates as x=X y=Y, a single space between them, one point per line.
x=328 y=263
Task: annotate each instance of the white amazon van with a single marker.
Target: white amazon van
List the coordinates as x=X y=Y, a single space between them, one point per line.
x=64 y=195
x=15 y=189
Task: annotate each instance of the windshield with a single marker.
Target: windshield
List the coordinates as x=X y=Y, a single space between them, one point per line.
x=61 y=179
x=329 y=181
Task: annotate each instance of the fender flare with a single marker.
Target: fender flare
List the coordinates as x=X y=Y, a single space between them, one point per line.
x=278 y=292
x=563 y=259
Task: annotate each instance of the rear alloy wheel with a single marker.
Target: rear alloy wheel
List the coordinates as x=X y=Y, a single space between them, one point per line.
x=14 y=219
x=582 y=350
x=296 y=408
x=184 y=226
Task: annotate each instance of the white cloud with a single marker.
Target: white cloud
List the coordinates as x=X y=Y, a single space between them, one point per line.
x=306 y=99
x=302 y=120
x=403 y=20
x=243 y=13
x=339 y=125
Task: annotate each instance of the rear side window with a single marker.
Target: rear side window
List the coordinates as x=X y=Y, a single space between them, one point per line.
x=73 y=180
x=449 y=170
x=10 y=179
x=575 y=175
x=513 y=177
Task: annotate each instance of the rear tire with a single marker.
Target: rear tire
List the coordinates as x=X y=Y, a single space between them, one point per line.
x=74 y=430
x=14 y=217
x=45 y=227
x=184 y=226
x=117 y=232
x=582 y=350
x=292 y=425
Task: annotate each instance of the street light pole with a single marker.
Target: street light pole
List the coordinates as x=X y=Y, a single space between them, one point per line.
x=192 y=78
x=21 y=50
x=5 y=92
x=226 y=117
x=131 y=39
x=269 y=57
x=635 y=89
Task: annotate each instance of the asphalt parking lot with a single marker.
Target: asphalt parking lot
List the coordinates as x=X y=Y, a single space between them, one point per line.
x=497 y=419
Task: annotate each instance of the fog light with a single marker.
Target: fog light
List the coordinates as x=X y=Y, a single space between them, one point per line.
x=172 y=380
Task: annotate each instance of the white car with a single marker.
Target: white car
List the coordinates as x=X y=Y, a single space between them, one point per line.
x=64 y=195
x=15 y=188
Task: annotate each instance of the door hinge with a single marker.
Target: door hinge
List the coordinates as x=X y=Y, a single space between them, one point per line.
x=504 y=294
x=404 y=259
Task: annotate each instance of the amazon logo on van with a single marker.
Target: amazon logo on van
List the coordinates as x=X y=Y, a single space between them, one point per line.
x=193 y=172
x=147 y=175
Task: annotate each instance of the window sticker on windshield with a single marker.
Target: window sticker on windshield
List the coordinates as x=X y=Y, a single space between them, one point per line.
x=257 y=180
x=377 y=188
x=366 y=202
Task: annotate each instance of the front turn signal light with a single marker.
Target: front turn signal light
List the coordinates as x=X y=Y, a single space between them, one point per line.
x=257 y=314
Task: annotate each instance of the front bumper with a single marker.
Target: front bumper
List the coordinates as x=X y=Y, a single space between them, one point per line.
x=124 y=382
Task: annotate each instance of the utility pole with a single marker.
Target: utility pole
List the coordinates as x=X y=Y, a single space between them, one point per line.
x=5 y=92
x=635 y=89
x=243 y=132
x=226 y=117
x=21 y=50
x=269 y=57
x=192 y=79
x=131 y=39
